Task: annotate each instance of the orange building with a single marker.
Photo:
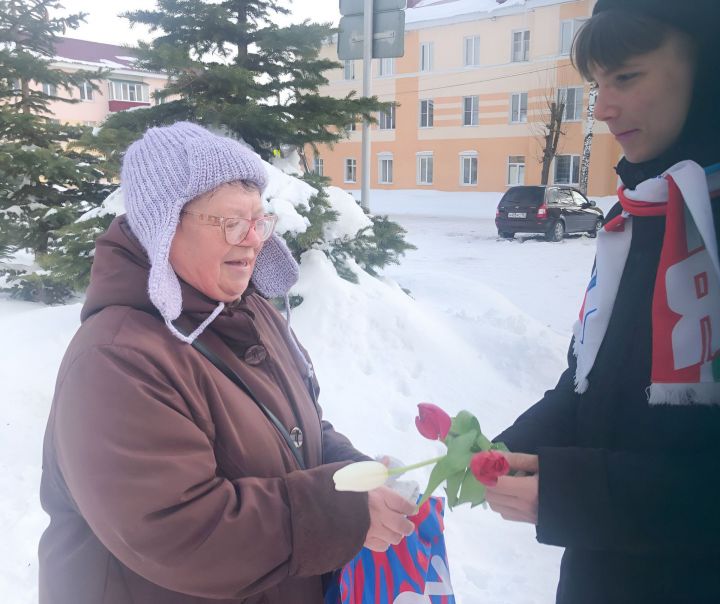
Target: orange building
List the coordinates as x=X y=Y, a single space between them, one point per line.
x=473 y=92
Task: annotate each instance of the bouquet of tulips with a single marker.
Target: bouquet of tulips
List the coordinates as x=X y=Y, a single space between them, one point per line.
x=471 y=463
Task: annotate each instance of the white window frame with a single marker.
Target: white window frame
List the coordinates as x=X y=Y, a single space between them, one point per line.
x=385 y=168
x=473 y=111
x=352 y=127
x=349 y=70
x=428 y=113
x=132 y=92
x=426 y=56
x=574 y=112
x=318 y=166
x=568 y=30
x=574 y=169
x=471 y=51
x=424 y=160
x=520 y=46
x=350 y=169
x=514 y=164
x=467 y=160
x=519 y=116
x=49 y=89
x=386 y=119
x=86 y=91
x=386 y=67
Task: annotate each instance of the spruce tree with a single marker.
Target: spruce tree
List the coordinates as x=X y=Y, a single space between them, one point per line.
x=46 y=182
x=231 y=66
x=234 y=70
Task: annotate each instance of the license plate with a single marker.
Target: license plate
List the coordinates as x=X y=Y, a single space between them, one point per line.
x=517 y=214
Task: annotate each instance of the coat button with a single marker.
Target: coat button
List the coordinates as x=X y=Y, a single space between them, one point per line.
x=297 y=436
x=255 y=355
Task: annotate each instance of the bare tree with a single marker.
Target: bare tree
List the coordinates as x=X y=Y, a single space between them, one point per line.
x=587 y=142
x=546 y=126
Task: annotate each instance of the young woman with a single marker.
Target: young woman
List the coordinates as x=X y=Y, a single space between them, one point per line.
x=624 y=453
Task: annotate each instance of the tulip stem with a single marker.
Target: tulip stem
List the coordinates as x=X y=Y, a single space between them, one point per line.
x=420 y=464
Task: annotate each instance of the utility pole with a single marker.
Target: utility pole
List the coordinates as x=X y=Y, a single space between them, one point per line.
x=367 y=91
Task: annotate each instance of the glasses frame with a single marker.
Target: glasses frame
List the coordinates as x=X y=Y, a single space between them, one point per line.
x=221 y=220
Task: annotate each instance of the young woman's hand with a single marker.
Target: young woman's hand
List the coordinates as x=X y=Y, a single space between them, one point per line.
x=516 y=497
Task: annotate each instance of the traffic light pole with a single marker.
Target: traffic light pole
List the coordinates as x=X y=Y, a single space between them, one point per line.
x=367 y=91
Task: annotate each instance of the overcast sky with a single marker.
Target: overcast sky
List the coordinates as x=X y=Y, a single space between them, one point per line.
x=103 y=25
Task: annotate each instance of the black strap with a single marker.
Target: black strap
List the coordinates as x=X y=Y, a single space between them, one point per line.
x=237 y=380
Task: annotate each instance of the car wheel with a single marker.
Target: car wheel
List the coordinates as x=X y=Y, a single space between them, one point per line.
x=557 y=232
x=506 y=234
x=596 y=230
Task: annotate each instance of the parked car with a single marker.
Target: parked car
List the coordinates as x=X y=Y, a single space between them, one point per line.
x=551 y=210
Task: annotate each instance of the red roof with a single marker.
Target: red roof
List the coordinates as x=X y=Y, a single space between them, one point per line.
x=93 y=52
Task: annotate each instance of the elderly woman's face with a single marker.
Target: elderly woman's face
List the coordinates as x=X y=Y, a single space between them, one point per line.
x=200 y=254
x=645 y=102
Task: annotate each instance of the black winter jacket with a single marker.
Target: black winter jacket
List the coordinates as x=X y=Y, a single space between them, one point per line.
x=631 y=491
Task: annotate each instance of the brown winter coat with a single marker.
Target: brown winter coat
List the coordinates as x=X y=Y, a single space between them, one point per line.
x=163 y=481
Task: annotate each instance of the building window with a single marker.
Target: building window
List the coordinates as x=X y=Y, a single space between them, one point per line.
x=49 y=89
x=468 y=168
x=386 y=67
x=521 y=46
x=518 y=107
x=516 y=170
x=424 y=168
x=318 y=166
x=573 y=100
x=472 y=51
x=427 y=117
x=386 y=119
x=86 y=91
x=350 y=170
x=128 y=91
x=567 y=169
x=470 y=110
x=568 y=31
x=159 y=100
x=386 y=169
x=349 y=72
x=426 y=56
x=351 y=127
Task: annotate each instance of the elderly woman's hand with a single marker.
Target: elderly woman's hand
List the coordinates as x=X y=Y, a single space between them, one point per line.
x=388 y=519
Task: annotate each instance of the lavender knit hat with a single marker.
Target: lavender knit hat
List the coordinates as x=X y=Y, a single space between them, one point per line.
x=168 y=167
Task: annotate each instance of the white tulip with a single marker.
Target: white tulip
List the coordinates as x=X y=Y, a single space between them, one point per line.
x=361 y=476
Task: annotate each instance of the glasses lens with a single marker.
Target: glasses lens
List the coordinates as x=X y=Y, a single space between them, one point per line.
x=265 y=226
x=236 y=230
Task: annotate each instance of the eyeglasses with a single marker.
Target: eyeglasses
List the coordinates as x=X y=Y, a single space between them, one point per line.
x=236 y=229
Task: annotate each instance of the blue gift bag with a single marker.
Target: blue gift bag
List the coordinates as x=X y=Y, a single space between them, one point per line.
x=413 y=572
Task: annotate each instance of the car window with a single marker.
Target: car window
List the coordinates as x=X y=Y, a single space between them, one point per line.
x=523 y=196
x=579 y=199
x=564 y=197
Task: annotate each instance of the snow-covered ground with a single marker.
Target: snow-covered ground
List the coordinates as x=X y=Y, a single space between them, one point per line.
x=485 y=328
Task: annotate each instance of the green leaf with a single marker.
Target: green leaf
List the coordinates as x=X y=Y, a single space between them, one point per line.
x=471 y=491
x=500 y=447
x=464 y=422
x=453 y=486
x=457 y=459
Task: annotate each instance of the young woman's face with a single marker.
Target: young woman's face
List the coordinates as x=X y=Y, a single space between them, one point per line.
x=646 y=100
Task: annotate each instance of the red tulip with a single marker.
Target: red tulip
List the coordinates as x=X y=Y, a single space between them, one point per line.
x=488 y=466
x=432 y=422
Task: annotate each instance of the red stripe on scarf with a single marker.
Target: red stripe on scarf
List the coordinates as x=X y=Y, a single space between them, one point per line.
x=664 y=320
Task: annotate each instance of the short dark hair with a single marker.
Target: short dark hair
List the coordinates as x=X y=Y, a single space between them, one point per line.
x=611 y=37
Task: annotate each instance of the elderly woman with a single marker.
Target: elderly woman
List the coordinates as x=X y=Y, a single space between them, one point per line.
x=185 y=459
x=625 y=450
